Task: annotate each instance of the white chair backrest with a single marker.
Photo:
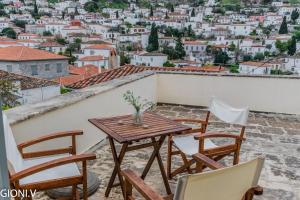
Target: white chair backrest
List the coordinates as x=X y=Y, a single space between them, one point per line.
x=229 y=183
x=12 y=152
x=228 y=113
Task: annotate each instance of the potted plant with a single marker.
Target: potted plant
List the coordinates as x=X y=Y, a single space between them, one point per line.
x=140 y=105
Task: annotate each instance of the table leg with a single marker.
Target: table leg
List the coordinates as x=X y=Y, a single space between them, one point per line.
x=117 y=168
x=157 y=145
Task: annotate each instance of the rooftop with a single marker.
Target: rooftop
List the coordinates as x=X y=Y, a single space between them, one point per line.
x=22 y=53
x=272 y=135
x=27 y=82
x=269 y=133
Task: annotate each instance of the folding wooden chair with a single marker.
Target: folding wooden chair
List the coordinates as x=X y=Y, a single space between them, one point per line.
x=47 y=169
x=199 y=141
x=210 y=185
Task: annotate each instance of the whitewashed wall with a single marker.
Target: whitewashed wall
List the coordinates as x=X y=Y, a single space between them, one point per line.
x=75 y=116
x=281 y=95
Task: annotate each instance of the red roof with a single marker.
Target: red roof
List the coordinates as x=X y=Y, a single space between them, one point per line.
x=131 y=69
x=22 y=53
x=87 y=70
x=92 y=58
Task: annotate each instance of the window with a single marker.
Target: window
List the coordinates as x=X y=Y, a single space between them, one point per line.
x=9 y=68
x=34 y=70
x=58 y=68
x=47 y=67
x=92 y=52
x=151 y=59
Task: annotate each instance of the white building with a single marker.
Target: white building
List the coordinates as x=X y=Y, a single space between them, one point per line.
x=31 y=89
x=149 y=59
x=258 y=68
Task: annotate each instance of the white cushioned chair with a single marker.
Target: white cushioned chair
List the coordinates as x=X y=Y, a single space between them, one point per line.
x=210 y=185
x=47 y=169
x=199 y=141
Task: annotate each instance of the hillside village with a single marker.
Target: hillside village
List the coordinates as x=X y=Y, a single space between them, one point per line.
x=64 y=43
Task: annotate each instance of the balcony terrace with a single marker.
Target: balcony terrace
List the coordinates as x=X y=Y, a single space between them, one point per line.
x=273 y=131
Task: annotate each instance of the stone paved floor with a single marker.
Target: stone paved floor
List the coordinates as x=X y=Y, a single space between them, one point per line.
x=275 y=136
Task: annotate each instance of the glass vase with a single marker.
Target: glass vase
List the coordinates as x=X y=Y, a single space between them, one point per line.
x=138 y=118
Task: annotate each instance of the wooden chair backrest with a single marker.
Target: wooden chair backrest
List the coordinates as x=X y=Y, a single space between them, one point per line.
x=229 y=183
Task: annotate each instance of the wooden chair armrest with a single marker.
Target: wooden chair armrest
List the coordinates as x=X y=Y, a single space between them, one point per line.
x=49 y=137
x=216 y=135
x=191 y=120
x=51 y=164
x=207 y=161
x=139 y=184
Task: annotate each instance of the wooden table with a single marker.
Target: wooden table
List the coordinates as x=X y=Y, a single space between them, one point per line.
x=122 y=130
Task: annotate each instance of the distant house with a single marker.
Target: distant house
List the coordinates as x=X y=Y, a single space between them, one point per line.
x=195 y=48
x=292 y=64
x=52 y=47
x=258 y=68
x=98 y=61
x=33 y=62
x=103 y=50
x=149 y=59
x=31 y=89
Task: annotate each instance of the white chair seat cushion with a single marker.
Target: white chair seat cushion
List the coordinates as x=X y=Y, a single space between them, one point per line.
x=62 y=171
x=189 y=146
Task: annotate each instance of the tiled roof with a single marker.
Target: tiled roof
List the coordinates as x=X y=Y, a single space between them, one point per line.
x=22 y=53
x=84 y=70
x=27 y=82
x=131 y=69
x=92 y=58
x=99 y=46
x=51 y=44
x=256 y=64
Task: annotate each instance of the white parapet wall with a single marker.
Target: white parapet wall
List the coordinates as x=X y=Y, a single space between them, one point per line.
x=72 y=111
x=279 y=94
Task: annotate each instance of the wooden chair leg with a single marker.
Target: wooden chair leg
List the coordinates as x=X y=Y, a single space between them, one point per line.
x=236 y=157
x=128 y=190
x=169 y=158
x=84 y=184
x=186 y=163
x=74 y=188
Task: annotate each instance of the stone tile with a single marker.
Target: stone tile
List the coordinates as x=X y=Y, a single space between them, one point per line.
x=274 y=136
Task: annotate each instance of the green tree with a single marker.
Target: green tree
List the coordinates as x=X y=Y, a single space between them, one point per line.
x=170 y=51
x=283 y=27
x=292 y=46
x=47 y=33
x=247 y=58
x=179 y=48
x=91 y=6
x=124 y=59
x=234 y=68
x=190 y=32
x=221 y=58
x=259 y=56
x=76 y=11
x=167 y=16
x=232 y=47
x=153 y=39
x=295 y=15
x=281 y=46
x=8 y=91
x=168 y=64
x=35 y=8
x=60 y=40
x=9 y=32
x=193 y=13
x=20 y=23
x=151 y=12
